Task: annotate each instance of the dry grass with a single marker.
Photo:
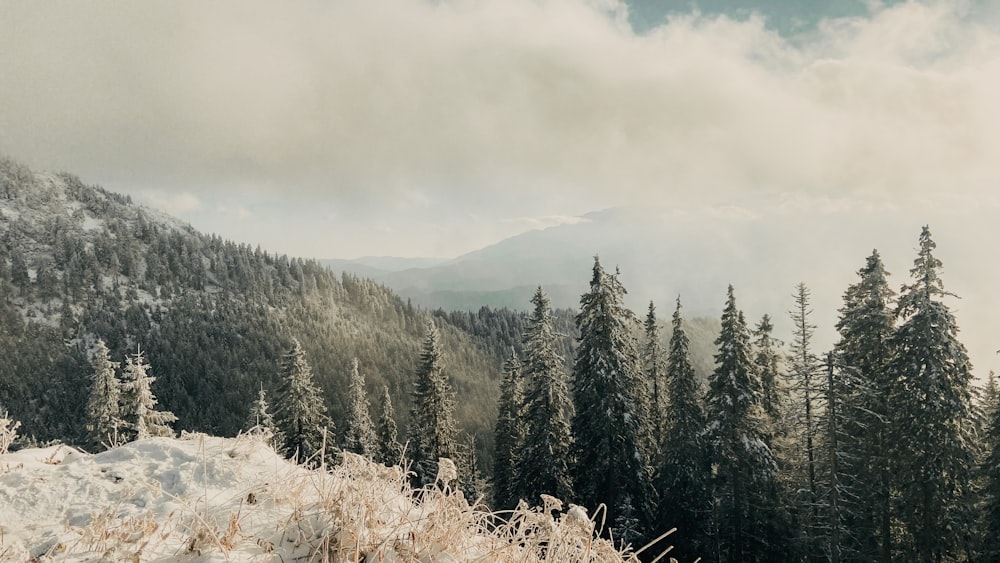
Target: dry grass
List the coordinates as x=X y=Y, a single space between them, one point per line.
x=358 y=512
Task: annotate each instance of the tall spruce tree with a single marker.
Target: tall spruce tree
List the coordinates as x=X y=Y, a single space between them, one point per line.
x=509 y=434
x=743 y=465
x=361 y=438
x=610 y=425
x=863 y=352
x=260 y=421
x=990 y=548
x=767 y=359
x=805 y=382
x=390 y=451
x=933 y=443
x=652 y=365
x=138 y=404
x=301 y=413
x=545 y=464
x=683 y=476
x=103 y=416
x=433 y=433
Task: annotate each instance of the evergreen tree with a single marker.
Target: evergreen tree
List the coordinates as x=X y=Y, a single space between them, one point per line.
x=138 y=404
x=471 y=481
x=933 y=443
x=767 y=360
x=743 y=465
x=863 y=351
x=991 y=398
x=361 y=437
x=652 y=364
x=610 y=424
x=991 y=544
x=301 y=414
x=390 y=451
x=805 y=382
x=260 y=421
x=545 y=462
x=509 y=435
x=682 y=480
x=103 y=417
x=433 y=433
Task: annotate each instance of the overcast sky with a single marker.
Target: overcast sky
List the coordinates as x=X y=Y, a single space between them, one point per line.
x=431 y=128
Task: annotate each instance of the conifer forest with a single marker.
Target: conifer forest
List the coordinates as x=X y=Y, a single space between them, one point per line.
x=119 y=323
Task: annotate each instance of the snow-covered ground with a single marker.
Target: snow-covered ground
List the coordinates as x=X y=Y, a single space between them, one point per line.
x=202 y=498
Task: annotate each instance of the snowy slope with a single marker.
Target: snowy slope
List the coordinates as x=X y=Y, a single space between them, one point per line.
x=201 y=498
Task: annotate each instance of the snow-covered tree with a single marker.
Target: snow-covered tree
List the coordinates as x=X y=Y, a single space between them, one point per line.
x=652 y=365
x=301 y=413
x=743 y=465
x=103 y=418
x=683 y=476
x=767 y=359
x=8 y=430
x=991 y=544
x=545 y=462
x=610 y=426
x=390 y=451
x=138 y=404
x=991 y=397
x=863 y=351
x=805 y=381
x=260 y=421
x=433 y=433
x=509 y=434
x=933 y=443
x=361 y=437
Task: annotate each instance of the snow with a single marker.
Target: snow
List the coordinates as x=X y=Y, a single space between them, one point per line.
x=206 y=499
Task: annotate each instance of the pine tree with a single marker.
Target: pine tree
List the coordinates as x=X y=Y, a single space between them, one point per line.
x=301 y=413
x=863 y=351
x=743 y=466
x=545 y=462
x=471 y=481
x=682 y=479
x=260 y=421
x=991 y=544
x=933 y=443
x=652 y=364
x=138 y=404
x=991 y=397
x=767 y=360
x=805 y=382
x=509 y=434
x=103 y=420
x=610 y=426
x=361 y=437
x=390 y=451
x=433 y=433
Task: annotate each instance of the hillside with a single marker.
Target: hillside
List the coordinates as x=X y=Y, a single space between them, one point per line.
x=79 y=263
x=201 y=498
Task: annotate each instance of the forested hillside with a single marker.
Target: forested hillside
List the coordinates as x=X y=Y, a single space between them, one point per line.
x=79 y=263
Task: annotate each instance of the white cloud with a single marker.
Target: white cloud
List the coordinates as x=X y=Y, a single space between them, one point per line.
x=504 y=108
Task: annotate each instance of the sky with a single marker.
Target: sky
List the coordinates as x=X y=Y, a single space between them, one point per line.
x=434 y=127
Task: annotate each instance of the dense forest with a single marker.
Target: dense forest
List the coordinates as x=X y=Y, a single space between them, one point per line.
x=79 y=264
x=882 y=448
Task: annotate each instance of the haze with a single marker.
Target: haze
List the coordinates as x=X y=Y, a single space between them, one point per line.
x=434 y=128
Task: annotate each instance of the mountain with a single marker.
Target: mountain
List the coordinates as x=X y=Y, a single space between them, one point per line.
x=213 y=317
x=763 y=248
x=373 y=266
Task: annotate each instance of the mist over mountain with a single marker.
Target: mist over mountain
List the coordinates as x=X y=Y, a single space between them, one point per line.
x=695 y=251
